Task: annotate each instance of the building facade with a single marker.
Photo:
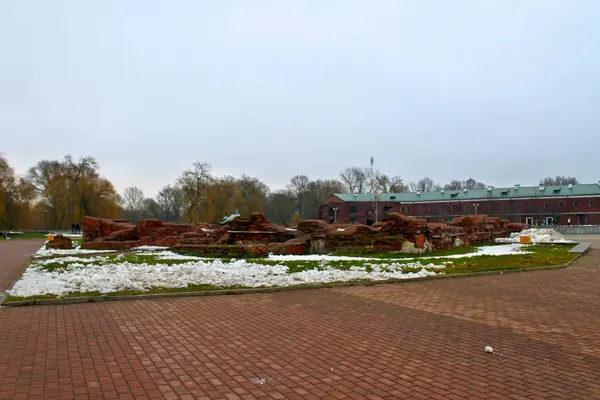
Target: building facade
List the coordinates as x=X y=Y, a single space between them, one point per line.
x=534 y=205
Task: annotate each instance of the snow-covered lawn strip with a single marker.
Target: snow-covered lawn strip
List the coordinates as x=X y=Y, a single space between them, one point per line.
x=149 y=248
x=44 y=252
x=125 y=276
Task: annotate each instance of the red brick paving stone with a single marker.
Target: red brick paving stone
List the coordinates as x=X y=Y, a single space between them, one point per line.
x=14 y=257
x=417 y=340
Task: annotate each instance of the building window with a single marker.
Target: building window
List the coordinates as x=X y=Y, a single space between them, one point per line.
x=387 y=210
x=546 y=205
x=518 y=206
x=591 y=203
x=352 y=210
x=561 y=204
x=419 y=209
x=352 y=220
x=428 y=208
x=331 y=212
x=402 y=209
x=530 y=206
x=453 y=207
x=575 y=204
x=407 y=209
x=441 y=208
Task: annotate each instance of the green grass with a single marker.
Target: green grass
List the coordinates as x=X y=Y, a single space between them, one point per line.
x=436 y=253
x=541 y=255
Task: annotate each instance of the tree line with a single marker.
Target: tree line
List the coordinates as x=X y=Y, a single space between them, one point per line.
x=57 y=193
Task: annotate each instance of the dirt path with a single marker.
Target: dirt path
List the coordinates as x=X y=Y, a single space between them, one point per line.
x=14 y=256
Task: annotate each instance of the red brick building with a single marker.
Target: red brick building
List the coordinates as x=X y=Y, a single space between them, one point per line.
x=551 y=205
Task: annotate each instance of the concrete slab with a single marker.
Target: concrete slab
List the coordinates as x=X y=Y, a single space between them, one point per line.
x=581 y=248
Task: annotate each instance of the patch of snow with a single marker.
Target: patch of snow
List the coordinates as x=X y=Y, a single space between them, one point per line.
x=169 y=255
x=341 y=229
x=114 y=277
x=149 y=248
x=544 y=235
x=44 y=252
x=290 y=229
x=489 y=349
x=70 y=260
x=206 y=230
x=69 y=235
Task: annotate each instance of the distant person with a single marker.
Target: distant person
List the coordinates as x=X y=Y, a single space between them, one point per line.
x=77 y=228
x=72 y=228
x=5 y=234
x=569 y=222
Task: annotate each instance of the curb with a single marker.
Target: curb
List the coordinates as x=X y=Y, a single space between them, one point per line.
x=149 y=296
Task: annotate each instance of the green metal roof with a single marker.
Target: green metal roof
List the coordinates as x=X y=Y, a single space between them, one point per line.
x=592 y=189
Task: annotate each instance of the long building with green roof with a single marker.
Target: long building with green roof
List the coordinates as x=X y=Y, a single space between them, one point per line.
x=577 y=204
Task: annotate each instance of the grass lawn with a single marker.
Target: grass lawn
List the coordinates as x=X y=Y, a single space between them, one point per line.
x=540 y=255
x=436 y=253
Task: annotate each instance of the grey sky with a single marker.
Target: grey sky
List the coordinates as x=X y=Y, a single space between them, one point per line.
x=504 y=91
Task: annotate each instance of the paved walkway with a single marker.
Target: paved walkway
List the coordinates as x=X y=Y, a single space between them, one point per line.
x=14 y=256
x=593 y=239
x=422 y=340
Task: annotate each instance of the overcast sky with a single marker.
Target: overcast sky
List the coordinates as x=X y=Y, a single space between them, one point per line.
x=504 y=91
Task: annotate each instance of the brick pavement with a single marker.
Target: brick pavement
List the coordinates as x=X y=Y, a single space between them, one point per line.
x=421 y=340
x=14 y=256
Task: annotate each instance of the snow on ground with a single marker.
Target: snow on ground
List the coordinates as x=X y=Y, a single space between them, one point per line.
x=169 y=255
x=106 y=278
x=69 y=235
x=70 y=260
x=499 y=250
x=537 y=236
x=44 y=252
x=149 y=248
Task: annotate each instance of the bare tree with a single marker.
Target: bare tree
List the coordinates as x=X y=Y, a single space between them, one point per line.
x=299 y=186
x=357 y=179
x=169 y=199
x=424 y=185
x=559 y=181
x=280 y=207
x=150 y=208
x=473 y=184
x=133 y=201
x=454 y=185
x=386 y=184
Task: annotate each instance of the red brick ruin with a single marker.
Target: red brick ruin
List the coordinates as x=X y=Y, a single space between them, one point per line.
x=256 y=236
